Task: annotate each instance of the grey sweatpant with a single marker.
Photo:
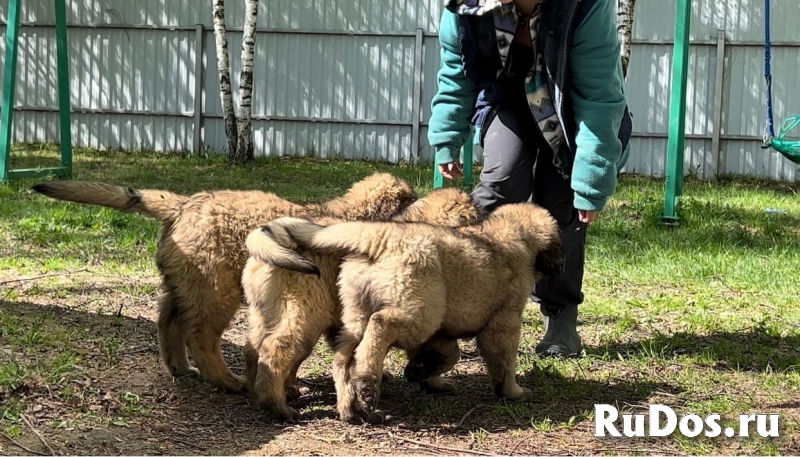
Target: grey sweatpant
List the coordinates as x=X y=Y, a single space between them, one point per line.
x=516 y=168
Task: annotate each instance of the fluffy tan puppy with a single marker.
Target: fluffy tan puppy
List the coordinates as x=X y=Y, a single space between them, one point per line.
x=201 y=254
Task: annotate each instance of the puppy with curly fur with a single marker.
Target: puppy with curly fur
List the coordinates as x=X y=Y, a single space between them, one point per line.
x=201 y=254
x=289 y=311
x=402 y=285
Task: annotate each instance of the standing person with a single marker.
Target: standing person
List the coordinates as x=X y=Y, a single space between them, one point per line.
x=541 y=81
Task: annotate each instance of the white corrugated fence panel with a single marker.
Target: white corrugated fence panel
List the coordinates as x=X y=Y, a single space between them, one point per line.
x=336 y=77
x=321 y=140
x=356 y=15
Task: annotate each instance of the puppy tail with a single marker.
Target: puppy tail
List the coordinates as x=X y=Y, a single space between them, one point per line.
x=158 y=204
x=370 y=239
x=274 y=245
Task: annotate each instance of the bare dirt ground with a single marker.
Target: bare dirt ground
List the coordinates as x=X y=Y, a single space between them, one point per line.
x=106 y=393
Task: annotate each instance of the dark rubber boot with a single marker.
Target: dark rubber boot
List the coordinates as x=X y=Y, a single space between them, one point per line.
x=561 y=337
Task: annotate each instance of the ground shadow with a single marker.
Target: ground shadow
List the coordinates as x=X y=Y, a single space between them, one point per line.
x=557 y=400
x=757 y=349
x=111 y=357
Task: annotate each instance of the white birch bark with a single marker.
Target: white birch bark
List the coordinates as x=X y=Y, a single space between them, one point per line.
x=244 y=152
x=223 y=63
x=625 y=14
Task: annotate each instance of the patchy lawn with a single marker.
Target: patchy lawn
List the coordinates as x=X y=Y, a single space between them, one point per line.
x=704 y=318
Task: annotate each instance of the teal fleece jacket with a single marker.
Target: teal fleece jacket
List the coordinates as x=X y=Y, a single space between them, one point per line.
x=594 y=91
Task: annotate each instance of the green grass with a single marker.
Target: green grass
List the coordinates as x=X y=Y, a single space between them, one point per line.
x=703 y=316
x=44 y=355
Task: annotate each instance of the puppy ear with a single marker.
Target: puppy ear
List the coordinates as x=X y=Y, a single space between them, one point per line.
x=550 y=261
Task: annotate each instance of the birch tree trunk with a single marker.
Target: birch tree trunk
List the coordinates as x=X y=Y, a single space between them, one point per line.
x=223 y=63
x=244 y=151
x=625 y=13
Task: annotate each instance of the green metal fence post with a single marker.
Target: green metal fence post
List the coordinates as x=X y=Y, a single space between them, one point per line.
x=63 y=86
x=677 y=113
x=9 y=78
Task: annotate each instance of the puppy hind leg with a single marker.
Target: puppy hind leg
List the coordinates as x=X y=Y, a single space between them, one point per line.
x=171 y=338
x=355 y=314
x=307 y=337
x=349 y=338
x=251 y=365
x=498 y=344
x=204 y=347
x=366 y=370
x=411 y=321
x=343 y=356
x=269 y=392
x=290 y=383
x=280 y=356
x=387 y=376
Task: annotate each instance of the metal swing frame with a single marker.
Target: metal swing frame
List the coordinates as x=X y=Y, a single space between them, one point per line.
x=9 y=88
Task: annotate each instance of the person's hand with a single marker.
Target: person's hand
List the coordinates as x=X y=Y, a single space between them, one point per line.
x=451 y=170
x=587 y=217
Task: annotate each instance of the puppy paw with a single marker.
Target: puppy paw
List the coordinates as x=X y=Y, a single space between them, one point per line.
x=278 y=409
x=519 y=394
x=293 y=393
x=182 y=371
x=350 y=417
x=347 y=413
x=287 y=414
x=231 y=384
x=527 y=395
x=361 y=417
x=365 y=400
x=438 y=385
x=366 y=395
